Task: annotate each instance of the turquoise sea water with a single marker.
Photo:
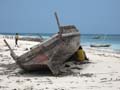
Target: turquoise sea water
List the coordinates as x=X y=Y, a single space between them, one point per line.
x=85 y=39
x=113 y=40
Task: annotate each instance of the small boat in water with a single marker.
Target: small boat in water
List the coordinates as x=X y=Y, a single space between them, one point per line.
x=97 y=37
x=100 y=45
x=51 y=53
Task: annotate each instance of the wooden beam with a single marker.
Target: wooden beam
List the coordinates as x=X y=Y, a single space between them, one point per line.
x=11 y=51
x=58 y=23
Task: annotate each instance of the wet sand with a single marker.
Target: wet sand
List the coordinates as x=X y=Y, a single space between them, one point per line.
x=102 y=73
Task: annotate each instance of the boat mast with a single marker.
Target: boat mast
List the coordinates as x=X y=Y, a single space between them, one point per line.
x=58 y=23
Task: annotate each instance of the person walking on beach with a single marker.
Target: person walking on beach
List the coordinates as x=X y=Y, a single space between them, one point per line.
x=16 y=39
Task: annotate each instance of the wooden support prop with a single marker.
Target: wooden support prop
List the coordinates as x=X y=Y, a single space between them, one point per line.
x=8 y=45
x=58 y=23
x=11 y=51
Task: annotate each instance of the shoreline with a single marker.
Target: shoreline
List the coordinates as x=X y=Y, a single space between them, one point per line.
x=115 y=47
x=103 y=51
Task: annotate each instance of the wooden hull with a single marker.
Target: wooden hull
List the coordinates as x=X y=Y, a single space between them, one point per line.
x=51 y=53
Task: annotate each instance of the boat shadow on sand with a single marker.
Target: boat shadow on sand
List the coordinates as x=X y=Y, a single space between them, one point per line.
x=14 y=70
x=69 y=68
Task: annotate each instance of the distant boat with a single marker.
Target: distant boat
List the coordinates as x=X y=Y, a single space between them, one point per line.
x=102 y=37
x=97 y=37
x=100 y=45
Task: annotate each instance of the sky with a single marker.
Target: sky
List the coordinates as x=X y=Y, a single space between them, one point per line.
x=37 y=16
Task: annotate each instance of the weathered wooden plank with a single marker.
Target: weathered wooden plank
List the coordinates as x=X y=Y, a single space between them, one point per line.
x=11 y=51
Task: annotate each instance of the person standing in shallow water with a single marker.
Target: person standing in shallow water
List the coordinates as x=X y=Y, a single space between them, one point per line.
x=16 y=39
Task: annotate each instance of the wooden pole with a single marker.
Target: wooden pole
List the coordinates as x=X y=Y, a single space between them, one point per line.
x=58 y=23
x=11 y=51
x=8 y=45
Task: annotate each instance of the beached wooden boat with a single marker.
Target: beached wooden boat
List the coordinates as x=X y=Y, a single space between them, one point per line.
x=100 y=45
x=51 y=53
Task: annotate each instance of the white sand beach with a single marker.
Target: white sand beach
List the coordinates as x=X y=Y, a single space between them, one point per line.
x=102 y=73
